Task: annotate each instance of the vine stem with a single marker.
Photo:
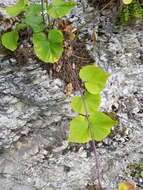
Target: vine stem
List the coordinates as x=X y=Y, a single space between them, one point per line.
x=74 y=76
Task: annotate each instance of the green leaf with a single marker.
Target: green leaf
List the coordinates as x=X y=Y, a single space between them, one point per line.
x=101 y=125
x=16 y=9
x=38 y=28
x=48 y=48
x=21 y=26
x=34 y=18
x=55 y=36
x=94 y=78
x=9 y=40
x=79 y=131
x=94 y=88
x=33 y=8
x=92 y=103
x=60 y=8
x=35 y=22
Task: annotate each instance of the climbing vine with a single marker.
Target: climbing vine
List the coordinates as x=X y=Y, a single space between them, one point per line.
x=90 y=124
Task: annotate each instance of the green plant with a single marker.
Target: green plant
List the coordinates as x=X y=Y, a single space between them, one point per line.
x=88 y=108
x=90 y=124
x=134 y=10
x=47 y=39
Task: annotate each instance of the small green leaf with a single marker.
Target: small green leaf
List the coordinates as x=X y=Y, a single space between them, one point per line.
x=38 y=28
x=33 y=8
x=16 y=9
x=94 y=78
x=35 y=22
x=92 y=103
x=33 y=17
x=79 y=131
x=101 y=125
x=21 y=26
x=9 y=40
x=48 y=48
x=60 y=8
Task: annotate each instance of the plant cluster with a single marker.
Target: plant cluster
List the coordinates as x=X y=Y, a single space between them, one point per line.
x=134 y=10
x=47 y=39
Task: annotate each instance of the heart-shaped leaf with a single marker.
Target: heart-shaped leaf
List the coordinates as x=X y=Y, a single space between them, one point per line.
x=79 y=131
x=92 y=103
x=48 y=48
x=9 y=40
x=16 y=9
x=127 y=1
x=94 y=78
x=60 y=8
x=101 y=125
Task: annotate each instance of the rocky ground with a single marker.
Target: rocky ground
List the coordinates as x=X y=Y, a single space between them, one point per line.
x=35 y=113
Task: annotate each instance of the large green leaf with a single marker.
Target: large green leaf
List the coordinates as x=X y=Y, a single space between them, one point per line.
x=92 y=103
x=48 y=48
x=79 y=131
x=16 y=9
x=60 y=8
x=9 y=40
x=94 y=78
x=101 y=125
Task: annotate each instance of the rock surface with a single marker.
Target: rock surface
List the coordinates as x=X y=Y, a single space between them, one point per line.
x=35 y=113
